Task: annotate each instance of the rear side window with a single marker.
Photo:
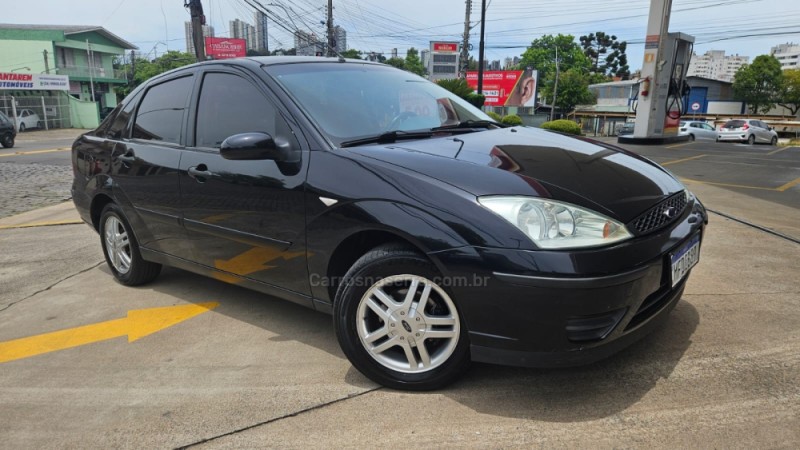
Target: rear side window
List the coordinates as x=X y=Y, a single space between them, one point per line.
x=230 y=105
x=160 y=115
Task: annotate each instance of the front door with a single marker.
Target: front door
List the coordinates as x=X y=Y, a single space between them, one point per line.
x=244 y=218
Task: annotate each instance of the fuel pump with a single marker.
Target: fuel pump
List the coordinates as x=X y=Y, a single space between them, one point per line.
x=662 y=87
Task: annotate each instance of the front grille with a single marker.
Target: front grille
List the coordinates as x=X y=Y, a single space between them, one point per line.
x=593 y=328
x=660 y=215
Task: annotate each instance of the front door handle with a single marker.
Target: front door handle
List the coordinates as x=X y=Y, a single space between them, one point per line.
x=128 y=157
x=200 y=173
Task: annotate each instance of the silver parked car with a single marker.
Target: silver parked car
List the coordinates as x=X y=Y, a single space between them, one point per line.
x=747 y=130
x=696 y=129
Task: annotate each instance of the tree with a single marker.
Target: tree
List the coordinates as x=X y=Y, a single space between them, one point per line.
x=596 y=47
x=413 y=63
x=400 y=63
x=146 y=69
x=280 y=52
x=460 y=87
x=351 y=53
x=759 y=83
x=541 y=55
x=254 y=52
x=573 y=90
x=789 y=96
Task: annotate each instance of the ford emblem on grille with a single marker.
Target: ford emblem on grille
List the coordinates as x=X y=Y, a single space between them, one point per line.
x=670 y=212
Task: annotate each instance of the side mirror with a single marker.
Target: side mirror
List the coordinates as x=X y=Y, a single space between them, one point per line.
x=256 y=146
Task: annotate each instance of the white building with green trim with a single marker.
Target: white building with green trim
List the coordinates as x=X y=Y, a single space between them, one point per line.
x=83 y=52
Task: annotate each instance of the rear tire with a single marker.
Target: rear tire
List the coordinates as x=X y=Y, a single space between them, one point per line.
x=691 y=138
x=121 y=249
x=8 y=140
x=396 y=324
x=21 y=127
x=752 y=139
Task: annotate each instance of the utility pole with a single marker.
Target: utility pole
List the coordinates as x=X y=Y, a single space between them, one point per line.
x=480 y=51
x=91 y=68
x=465 y=43
x=46 y=63
x=331 y=37
x=198 y=20
x=555 y=89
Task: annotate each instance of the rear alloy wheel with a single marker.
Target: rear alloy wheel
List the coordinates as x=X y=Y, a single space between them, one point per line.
x=691 y=137
x=397 y=325
x=122 y=250
x=7 y=140
x=774 y=141
x=752 y=139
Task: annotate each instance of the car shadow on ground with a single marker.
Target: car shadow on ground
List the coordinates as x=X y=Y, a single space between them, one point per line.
x=558 y=395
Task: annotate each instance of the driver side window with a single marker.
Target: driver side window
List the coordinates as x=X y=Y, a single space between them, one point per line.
x=230 y=104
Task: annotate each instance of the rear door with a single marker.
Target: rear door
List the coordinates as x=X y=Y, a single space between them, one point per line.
x=145 y=164
x=708 y=132
x=245 y=218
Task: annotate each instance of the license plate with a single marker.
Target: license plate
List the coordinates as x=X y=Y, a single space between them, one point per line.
x=684 y=259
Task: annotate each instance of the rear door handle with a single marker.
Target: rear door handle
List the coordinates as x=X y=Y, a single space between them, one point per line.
x=200 y=173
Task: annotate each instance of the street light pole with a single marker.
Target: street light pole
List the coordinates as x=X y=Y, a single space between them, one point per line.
x=480 y=51
x=555 y=89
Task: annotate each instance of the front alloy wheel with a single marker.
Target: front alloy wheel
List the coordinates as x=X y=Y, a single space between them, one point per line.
x=396 y=324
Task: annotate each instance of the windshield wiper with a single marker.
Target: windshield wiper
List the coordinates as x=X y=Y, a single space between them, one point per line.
x=471 y=124
x=387 y=138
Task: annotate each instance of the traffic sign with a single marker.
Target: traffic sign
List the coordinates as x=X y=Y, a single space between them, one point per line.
x=696 y=106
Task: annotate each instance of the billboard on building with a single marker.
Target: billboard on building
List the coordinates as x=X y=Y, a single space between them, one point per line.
x=506 y=87
x=33 y=82
x=225 y=48
x=443 y=60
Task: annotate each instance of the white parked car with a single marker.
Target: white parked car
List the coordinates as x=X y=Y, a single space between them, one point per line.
x=28 y=119
x=696 y=129
x=747 y=130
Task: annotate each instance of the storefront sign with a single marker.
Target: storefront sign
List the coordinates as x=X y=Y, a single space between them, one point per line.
x=225 y=48
x=33 y=82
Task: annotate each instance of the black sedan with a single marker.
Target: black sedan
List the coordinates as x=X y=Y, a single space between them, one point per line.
x=7 y=131
x=433 y=235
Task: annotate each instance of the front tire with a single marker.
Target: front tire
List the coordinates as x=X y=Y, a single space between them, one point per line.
x=751 y=139
x=21 y=127
x=397 y=324
x=691 y=138
x=121 y=249
x=774 y=141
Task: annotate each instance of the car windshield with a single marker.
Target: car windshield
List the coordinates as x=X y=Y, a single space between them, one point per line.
x=351 y=101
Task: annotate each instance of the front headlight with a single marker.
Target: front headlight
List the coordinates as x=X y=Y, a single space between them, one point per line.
x=553 y=224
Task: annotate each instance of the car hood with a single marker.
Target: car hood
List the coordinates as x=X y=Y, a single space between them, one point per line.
x=536 y=162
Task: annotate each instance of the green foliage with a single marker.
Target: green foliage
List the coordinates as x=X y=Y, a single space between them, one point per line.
x=789 y=96
x=457 y=86
x=351 y=53
x=563 y=126
x=541 y=55
x=476 y=100
x=573 y=89
x=512 y=119
x=496 y=117
x=758 y=84
x=146 y=69
x=254 y=52
x=607 y=54
x=400 y=63
x=413 y=63
x=281 y=52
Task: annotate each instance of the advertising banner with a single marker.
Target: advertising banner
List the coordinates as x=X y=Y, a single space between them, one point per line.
x=445 y=47
x=33 y=82
x=506 y=87
x=225 y=48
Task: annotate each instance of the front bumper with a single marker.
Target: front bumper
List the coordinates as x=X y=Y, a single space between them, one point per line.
x=551 y=309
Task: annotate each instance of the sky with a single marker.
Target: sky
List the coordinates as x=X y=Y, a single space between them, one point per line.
x=744 y=27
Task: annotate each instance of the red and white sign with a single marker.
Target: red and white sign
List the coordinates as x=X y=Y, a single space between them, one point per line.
x=506 y=87
x=33 y=82
x=225 y=48
x=696 y=106
x=445 y=47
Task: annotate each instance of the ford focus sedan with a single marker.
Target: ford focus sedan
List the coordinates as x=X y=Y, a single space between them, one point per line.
x=433 y=235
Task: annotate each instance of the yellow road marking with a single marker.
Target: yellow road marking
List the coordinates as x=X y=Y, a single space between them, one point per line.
x=41 y=224
x=788 y=185
x=33 y=152
x=682 y=160
x=138 y=324
x=779 y=150
x=251 y=261
x=743 y=186
x=677 y=145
